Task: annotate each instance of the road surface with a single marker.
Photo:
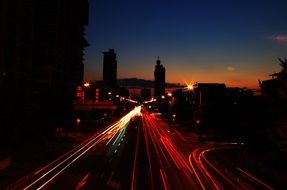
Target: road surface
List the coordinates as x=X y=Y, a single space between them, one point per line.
x=141 y=151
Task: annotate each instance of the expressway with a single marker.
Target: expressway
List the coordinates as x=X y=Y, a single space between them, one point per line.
x=178 y=161
x=142 y=151
x=216 y=174
x=98 y=149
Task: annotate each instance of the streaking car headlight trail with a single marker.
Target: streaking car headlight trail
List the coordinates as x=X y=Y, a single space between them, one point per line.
x=111 y=134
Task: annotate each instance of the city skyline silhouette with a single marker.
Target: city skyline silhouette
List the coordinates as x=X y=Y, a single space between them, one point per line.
x=234 y=42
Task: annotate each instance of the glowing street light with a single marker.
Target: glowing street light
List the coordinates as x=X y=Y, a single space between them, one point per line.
x=86 y=84
x=169 y=94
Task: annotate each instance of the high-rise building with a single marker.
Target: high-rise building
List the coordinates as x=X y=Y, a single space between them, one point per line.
x=110 y=68
x=41 y=60
x=58 y=46
x=159 y=79
x=16 y=63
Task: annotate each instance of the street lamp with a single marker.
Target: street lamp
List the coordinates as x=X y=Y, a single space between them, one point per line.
x=109 y=96
x=86 y=84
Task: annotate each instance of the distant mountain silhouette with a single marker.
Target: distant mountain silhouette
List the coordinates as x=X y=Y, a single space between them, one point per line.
x=135 y=82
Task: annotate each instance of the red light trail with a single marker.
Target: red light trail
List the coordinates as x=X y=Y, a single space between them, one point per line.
x=175 y=167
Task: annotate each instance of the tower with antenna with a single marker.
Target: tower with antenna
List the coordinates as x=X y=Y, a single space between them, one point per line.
x=159 y=79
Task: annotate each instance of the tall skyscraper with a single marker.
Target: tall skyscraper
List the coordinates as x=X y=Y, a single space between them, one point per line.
x=110 y=68
x=16 y=63
x=41 y=61
x=59 y=28
x=159 y=79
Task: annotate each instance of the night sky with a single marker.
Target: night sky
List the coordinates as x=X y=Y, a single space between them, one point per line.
x=232 y=41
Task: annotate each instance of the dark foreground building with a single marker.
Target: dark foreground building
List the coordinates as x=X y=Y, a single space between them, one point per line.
x=276 y=88
x=159 y=79
x=41 y=62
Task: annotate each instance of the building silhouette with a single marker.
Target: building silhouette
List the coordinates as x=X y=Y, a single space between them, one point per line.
x=41 y=62
x=276 y=88
x=58 y=46
x=110 y=68
x=159 y=79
